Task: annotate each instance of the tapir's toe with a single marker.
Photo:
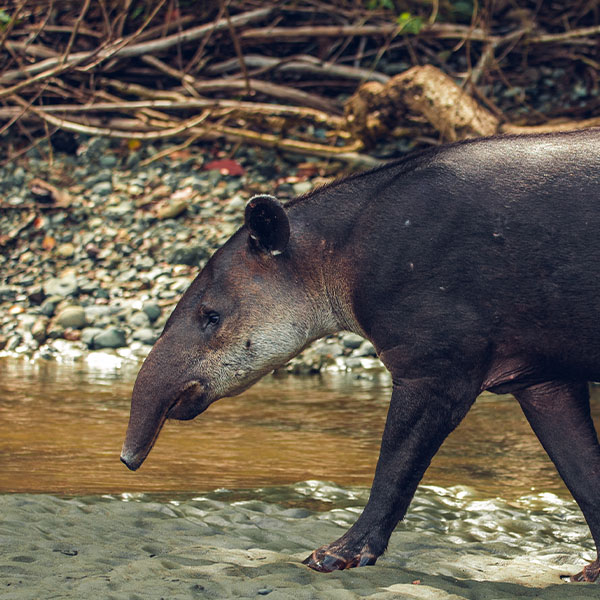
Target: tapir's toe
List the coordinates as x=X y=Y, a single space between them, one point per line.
x=588 y=574
x=325 y=560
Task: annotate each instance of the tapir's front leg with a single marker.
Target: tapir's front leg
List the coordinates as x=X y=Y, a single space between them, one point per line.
x=421 y=414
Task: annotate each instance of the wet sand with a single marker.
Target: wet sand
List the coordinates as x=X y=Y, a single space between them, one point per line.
x=452 y=546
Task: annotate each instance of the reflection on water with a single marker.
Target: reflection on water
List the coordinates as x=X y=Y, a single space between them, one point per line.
x=62 y=426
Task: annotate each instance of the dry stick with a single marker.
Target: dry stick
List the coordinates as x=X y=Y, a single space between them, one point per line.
x=238 y=48
x=36 y=28
x=345 y=153
x=156 y=119
x=438 y=30
x=142 y=47
x=293 y=33
x=36 y=50
x=23 y=110
x=75 y=30
x=302 y=64
x=133 y=129
x=271 y=89
x=251 y=108
x=108 y=53
x=267 y=88
x=105 y=131
x=61 y=68
x=200 y=50
x=177 y=101
x=549 y=38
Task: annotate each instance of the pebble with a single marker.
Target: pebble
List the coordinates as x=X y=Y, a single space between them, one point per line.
x=102 y=188
x=172 y=209
x=65 y=250
x=352 y=340
x=139 y=320
x=146 y=335
x=152 y=309
x=88 y=334
x=72 y=316
x=38 y=331
x=67 y=286
x=302 y=187
x=111 y=337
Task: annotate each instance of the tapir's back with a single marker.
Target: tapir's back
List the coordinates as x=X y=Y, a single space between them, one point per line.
x=507 y=227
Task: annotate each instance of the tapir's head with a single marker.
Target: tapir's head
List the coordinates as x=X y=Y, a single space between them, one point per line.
x=253 y=307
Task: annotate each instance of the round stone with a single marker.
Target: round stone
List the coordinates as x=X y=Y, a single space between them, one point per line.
x=66 y=286
x=111 y=337
x=153 y=310
x=72 y=316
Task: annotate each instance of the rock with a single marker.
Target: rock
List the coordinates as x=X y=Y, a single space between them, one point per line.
x=54 y=330
x=73 y=335
x=120 y=210
x=7 y=293
x=236 y=205
x=111 y=337
x=330 y=350
x=72 y=316
x=65 y=250
x=66 y=286
x=365 y=349
x=102 y=188
x=88 y=335
x=172 y=209
x=139 y=320
x=38 y=330
x=49 y=305
x=353 y=363
x=186 y=255
x=95 y=312
x=302 y=187
x=12 y=342
x=35 y=294
x=352 y=340
x=146 y=335
x=152 y=309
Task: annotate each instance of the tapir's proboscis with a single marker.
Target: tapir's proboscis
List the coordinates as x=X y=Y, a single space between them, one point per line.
x=473 y=266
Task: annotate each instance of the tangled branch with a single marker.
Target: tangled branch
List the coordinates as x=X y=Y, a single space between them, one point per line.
x=294 y=75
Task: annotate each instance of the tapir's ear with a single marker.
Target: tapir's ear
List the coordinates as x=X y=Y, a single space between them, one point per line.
x=268 y=223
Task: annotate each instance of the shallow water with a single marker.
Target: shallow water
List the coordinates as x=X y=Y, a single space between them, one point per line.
x=62 y=427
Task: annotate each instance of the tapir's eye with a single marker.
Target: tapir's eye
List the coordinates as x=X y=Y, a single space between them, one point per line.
x=212 y=317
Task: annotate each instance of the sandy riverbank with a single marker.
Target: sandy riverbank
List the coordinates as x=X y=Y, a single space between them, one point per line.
x=137 y=547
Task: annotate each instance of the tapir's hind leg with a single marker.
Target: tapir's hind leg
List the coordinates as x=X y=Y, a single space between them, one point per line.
x=559 y=413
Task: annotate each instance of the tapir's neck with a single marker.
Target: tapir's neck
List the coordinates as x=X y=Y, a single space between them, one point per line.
x=328 y=226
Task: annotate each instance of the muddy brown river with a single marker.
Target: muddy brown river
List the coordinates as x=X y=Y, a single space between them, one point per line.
x=62 y=426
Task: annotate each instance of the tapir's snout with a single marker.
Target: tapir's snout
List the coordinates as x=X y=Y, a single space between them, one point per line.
x=149 y=413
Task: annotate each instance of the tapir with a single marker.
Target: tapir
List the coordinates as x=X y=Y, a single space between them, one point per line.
x=471 y=266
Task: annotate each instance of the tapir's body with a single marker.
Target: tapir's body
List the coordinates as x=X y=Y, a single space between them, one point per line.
x=472 y=266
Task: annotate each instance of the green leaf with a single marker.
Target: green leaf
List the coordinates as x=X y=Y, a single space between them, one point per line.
x=4 y=17
x=410 y=24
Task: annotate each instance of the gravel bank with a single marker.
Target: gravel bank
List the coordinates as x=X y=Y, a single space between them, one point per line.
x=98 y=246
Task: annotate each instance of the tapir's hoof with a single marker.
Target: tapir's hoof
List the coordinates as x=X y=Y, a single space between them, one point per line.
x=326 y=561
x=589 y=573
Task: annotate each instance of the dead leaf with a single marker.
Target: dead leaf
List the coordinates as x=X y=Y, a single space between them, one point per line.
x=226 y=166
